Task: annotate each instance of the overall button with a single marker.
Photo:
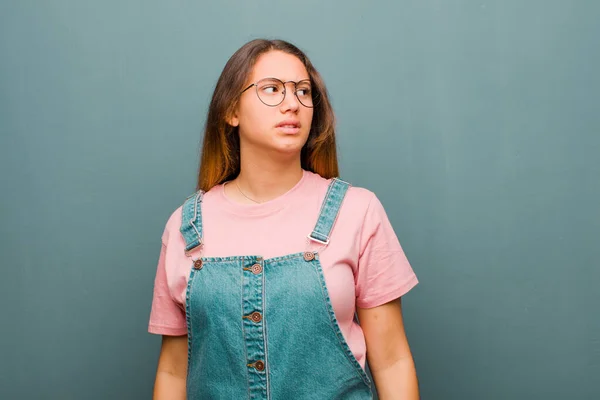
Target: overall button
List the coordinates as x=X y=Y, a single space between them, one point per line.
x=259 y=365
x=256 y=269
x=198 y=264
x=256 y=317
x=309 y=256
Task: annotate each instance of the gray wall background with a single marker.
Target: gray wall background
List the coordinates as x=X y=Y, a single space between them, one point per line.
x=475 y=122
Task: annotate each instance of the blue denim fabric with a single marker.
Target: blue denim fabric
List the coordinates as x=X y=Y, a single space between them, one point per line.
x=265 y=328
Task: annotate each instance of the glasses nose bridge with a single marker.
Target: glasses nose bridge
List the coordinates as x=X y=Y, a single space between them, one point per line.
x=286 y=82
x=295 y=95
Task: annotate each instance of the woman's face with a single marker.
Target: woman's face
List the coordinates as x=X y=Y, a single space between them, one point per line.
x=285 y=127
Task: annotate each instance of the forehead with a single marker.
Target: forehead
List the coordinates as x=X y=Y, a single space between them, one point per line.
x=277 y=64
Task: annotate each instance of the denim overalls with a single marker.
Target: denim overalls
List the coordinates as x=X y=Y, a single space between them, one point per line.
x=265 y=328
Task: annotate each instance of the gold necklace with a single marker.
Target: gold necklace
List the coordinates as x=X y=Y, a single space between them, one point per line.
x=244 y=194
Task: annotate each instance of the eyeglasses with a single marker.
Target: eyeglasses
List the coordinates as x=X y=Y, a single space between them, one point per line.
x=271 y=92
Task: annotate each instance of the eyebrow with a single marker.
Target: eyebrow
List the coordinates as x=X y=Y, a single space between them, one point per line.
x=283 y=80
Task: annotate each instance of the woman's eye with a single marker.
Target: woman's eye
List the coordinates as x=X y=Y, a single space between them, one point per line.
x=270 y=89
x=303 y=92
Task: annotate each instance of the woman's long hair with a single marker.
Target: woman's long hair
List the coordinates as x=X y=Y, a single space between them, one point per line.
x=220 y=158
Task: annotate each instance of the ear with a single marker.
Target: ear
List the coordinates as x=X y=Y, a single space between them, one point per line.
x=233 y=119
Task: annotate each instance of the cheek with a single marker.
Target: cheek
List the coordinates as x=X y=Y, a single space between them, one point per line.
x=250 y=113
x=256 y=118
x=310 y=114
x=308 y=118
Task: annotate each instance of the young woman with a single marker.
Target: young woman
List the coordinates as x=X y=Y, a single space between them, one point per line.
x=262 y=270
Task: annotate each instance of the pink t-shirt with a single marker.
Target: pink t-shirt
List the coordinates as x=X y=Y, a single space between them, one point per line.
x=363 y=265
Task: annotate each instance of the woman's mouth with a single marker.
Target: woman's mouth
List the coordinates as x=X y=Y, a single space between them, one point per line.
x=289 y=127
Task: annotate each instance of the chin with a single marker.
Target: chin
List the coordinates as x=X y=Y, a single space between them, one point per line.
x=290 y=143
x=289 y=148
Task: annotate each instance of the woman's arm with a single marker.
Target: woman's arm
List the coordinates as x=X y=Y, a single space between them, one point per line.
x=388 y=353
x=172 y=369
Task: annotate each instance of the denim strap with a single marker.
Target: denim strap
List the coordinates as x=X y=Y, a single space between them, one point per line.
x=329 y=210
x=191 y=221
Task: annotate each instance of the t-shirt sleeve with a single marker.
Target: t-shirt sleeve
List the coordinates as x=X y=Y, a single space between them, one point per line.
x=384 y=273
x=166 y=316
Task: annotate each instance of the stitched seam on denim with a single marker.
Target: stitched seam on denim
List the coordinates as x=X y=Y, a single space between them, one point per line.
x=333 y=202
x=319 y=236
x=329 y=188
x=335 y=326
x=264 y=307
x=339 y=208
x=270 y=260
x=343 y=190
x=186 y=227
x=243 y=329
x=324 y=208
x=323 y=225
x=188 y=321
x=332 y=206
x=185 y=223
x=191 y=211
x=197 y=218
x=276 y=260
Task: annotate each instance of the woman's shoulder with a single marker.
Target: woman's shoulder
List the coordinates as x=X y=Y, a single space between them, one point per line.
x=357 y=198
x=354 y=193
x=174 y=220
x=173 y=224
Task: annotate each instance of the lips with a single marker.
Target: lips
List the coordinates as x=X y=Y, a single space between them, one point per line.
x=290 y=126
x=289 y=123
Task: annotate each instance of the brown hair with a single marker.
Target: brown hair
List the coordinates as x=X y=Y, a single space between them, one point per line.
x=220 y=159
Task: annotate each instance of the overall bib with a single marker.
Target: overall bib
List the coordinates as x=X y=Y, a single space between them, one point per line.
x=265 y=328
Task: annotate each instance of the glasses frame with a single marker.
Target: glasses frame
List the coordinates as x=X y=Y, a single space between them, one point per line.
x=284 y=91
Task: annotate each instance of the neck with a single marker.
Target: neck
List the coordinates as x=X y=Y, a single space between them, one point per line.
x=263 y=177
